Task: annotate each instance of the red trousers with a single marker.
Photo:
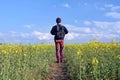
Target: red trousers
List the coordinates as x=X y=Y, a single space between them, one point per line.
x=59 y=51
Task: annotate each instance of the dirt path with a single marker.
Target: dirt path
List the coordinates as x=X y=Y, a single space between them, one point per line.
x=59 y=72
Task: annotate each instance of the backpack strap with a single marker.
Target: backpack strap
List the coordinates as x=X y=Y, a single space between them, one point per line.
x=58 y=27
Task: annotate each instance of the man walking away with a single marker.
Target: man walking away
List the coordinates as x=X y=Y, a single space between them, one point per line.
x=59 y=31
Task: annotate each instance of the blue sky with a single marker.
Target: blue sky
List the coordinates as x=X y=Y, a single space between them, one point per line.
x=30 y=21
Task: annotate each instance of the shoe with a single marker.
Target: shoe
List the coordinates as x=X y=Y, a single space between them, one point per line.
x=61 y=61
x=57 y=61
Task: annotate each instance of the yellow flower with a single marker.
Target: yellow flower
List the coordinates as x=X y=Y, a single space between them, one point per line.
x=4 y=51
x=16 y=51
x=118 y=57
x=25 y=55
x=79 y=53
x=95 y=61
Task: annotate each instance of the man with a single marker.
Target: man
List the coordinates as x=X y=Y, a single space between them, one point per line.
x=59 y=31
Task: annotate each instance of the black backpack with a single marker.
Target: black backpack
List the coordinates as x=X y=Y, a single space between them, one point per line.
x=60 y=32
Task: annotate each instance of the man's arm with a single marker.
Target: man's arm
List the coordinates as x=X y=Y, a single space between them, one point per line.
x=65 y=29
x=53 y=30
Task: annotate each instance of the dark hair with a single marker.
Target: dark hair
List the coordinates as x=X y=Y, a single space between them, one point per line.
x=58 y=20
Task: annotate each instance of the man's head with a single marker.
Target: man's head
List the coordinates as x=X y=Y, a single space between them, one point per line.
x=58 y=20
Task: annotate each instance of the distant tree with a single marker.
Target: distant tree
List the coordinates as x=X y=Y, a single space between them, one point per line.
x=93 y=41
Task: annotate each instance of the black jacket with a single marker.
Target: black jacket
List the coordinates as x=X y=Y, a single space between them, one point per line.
x=54 y=31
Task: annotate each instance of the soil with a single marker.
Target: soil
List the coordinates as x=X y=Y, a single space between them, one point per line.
x=59 y=72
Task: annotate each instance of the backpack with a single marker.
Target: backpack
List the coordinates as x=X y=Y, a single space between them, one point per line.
x=60 y=32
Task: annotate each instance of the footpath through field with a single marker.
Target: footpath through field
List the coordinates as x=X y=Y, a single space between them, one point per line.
x=59 y=72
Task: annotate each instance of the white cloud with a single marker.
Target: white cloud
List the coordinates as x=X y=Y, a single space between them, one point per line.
x=87 y=23
x=25 y=35
x=105 y=24
x=37 y=33
x=44 y=36
x=106 y=30
x=113 y=14
x=101 y=24
x=29 y=25
x=66 y=5
x=1 y=34
x=111 y=11
x=14 y=33
x=41 y=36
x=19 y=34
x=72 y=35
x=73 y=28
x=112 y=7
x=104 y=35
x=100 y=30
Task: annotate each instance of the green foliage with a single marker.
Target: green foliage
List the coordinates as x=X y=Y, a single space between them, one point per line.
x=25 y=62
x=99 y=61
x=87 y=61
